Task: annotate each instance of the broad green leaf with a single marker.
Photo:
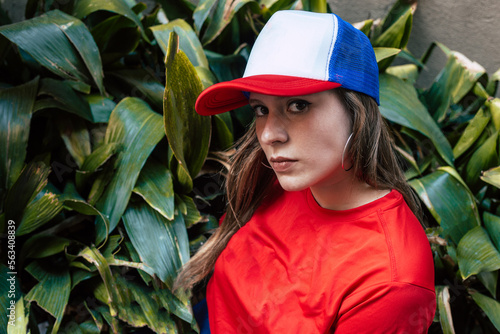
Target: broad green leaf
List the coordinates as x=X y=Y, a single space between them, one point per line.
x=81 y=38
x=63 y=97
x=94 y=162
x=489 y=305
x=226 y=68
x=444 y=309
x=472 y=132
x=52 y=291
x=156 y=240
x=188 y=209
x=201 y=13
x=16 y=104
x=39 y=212
x=100 y=107
x=382 y=53
x=188 y=41
x=476 y=253
x=399 y=103
x=484 y=157
x=494 y=106
x=20 y=324
x=206 y=76
x=137 y=129
x=223 y=135
x=143 y=84
x=449 y=201
x=398 y=10
x=492 y=176
x=492 y=224
x=87 y=209
x=452 y=83
x=407 y=72
x=86 y=7
x=365 y=26
x=76 y=138
x=42 y=245
x=489 y=280
x=188 y=133
x=155 y=186
x=47 y=42
x=32 y=180
x=223 y=14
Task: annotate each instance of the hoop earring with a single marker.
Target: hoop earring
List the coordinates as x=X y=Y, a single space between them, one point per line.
x=267 y=166
x=343 y=153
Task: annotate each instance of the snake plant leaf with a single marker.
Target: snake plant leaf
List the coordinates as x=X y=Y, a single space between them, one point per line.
x=384 y=53
x=31 y=181
x=201 y=13
x=156 y=241
x=188 y=41
x=440 y=191
x=63 y=97
x=489 y=305
x=471 y=133
x=143 y=85
x=84 y=8
x=476 y=253
x=16 y=104
x=39 y=212
x=155 y=186
x=136 y=129
x=492 y=176
x=484 y=157
x=399 y=103
x=454 y=81
x=494 y=107
x=444 y=309
x=100 y=107
x=492 y=224
x=49 y=281
x=61 y=48
x=188 y=133
x=223 y=14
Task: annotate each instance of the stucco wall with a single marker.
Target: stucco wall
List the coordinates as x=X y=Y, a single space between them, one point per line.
x=470 y=27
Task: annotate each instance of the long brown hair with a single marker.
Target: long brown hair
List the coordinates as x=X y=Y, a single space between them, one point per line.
x=374 y=162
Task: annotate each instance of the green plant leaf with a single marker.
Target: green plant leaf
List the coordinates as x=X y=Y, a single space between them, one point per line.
x=384 y=53
x=484 y=157
x=188 y=41
x=201 y=13
x=188 y=133
x=143 y=84
x=94 y=162
x=492 y=176
x=100 y=107
x=187 y=207
x=489 y=280
x=9 y=291
x=87 y=209
x=42 y=245
x=76 y=138
x=454 y=81
x=449 y=201
x=443 y=306
x=155 y=186
x=223 y=135
x=61 y=48
x=39 y=212
x=226 y=68
x=494 y=106
x=20 y=325
x=223 y=14
x=156 y=240
x=472 y=132
x=399 y=103
x=52 y=291
x=489 y=305
x=136 y=129
x=476 y=253
x=492 y=224
x=16 y=104
x=84 y=8
x=63 y=97
x=30 y=182
x=407 y=72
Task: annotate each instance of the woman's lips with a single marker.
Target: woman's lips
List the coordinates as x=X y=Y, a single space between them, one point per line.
x=280 y=164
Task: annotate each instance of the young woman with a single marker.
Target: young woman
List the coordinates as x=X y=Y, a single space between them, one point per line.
x=321 y=232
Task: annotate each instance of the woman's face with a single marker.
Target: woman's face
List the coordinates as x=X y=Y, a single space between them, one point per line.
x=303 y=138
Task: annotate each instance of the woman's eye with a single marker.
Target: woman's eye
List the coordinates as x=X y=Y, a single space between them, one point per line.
x=260 y=110
x=298 y=106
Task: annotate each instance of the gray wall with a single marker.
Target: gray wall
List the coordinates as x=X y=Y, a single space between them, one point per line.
x=470 y=27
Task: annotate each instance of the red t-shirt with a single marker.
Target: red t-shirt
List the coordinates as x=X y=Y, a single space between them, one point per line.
x=296 y=267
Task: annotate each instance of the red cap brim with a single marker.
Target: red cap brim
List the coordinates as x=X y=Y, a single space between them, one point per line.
x=226 y=96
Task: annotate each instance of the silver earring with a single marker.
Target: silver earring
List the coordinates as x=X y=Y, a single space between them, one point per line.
x=343 y=153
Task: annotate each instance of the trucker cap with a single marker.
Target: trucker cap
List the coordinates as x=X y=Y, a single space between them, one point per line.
x=299 y=53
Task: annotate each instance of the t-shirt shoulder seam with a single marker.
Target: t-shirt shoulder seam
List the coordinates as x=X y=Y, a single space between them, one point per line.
x=388 y=283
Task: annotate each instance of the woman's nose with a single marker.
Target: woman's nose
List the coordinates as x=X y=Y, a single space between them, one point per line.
x=274 y=130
